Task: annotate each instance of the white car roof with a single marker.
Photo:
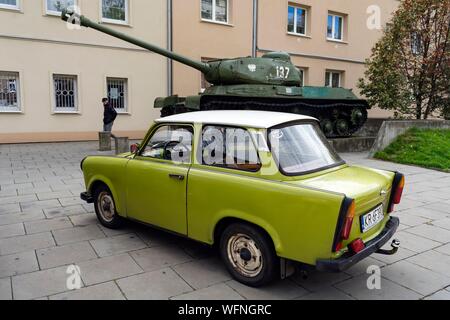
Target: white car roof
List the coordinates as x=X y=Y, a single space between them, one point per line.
x=251 y=119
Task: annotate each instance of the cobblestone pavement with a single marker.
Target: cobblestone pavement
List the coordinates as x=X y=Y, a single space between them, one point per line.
x=44 y=227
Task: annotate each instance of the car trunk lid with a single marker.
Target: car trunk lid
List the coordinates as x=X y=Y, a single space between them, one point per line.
x=369 y=188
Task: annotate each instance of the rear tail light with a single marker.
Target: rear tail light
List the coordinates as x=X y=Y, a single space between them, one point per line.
x=344 y=225
x=397 y=191
x=348 y=221
x=357 y=246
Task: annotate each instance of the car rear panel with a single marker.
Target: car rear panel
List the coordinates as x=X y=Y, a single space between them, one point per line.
x=369 y=188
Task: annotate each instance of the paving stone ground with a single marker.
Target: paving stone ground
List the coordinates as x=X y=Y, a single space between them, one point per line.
x=45 y=227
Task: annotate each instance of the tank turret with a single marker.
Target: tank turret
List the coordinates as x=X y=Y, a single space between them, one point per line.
x=270 y=82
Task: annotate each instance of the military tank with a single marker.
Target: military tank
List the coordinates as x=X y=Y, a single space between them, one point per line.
x=271 y=83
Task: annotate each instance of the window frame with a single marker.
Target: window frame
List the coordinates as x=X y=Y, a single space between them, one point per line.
x=126 y=110
x=153 y=131
x=333 y=26
x=16 y=7
x=55 y=13
x=213 y=13
x=116 y=21
x=321 y=136
x=296 y=7
x=76 y=109
x=19 y=108
x=303 y=73
x=200 y=149
x=330 y=78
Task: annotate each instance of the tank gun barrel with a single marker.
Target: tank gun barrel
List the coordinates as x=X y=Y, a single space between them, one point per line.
x=71 y=16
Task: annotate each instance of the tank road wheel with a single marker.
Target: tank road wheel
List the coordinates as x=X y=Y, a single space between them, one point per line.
x=105 y=208
x=357 y=117
x=249 y=255
x=342 y=127
x=327 y=127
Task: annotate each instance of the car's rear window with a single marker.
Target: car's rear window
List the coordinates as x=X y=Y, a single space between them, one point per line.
x=301 y=148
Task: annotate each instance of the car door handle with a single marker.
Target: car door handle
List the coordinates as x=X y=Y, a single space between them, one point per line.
x=178 y=177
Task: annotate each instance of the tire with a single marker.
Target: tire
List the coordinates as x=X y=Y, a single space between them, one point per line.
x=249 y=255
x=106 y=213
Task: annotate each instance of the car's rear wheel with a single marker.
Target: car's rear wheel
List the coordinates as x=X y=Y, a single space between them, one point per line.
x=105 y=208
x=249 y=255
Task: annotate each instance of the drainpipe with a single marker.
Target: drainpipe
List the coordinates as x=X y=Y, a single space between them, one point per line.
x=255 y=29
x=169 y=46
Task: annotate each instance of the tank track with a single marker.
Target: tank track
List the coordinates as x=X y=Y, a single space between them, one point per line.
x=332 y=116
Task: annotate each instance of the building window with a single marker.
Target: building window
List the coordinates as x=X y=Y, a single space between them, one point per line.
x=333 y=79
x=115 y=11
x=297 y=20
x=9 y=92
x=117 y=93
x=416 y=43
x=55 y=6
x=335 y=27
x=230 y=148
x=65 y=93
x=302 y=77
x=9 y=4
x=215 y=10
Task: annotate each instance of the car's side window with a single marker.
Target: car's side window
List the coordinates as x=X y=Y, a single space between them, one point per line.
x=170 y=142
x=229 y=147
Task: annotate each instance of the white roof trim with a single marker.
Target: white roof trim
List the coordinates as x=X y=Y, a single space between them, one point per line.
x=251 y=119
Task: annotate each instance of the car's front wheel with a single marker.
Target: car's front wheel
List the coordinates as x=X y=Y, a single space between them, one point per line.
x=249 y=255
x=105 y=208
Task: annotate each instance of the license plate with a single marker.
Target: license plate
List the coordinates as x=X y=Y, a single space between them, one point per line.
x=371 y=219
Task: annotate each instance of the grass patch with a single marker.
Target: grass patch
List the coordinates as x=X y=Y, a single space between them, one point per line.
x=428 y=148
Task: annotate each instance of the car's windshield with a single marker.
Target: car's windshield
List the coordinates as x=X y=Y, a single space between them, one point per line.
x=301 y=148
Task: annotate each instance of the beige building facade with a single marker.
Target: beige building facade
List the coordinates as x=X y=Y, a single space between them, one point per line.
x=329 y=40
x=52 y=78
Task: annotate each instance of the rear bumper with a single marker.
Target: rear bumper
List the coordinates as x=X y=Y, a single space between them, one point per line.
x=349 y=259
x=85 y=196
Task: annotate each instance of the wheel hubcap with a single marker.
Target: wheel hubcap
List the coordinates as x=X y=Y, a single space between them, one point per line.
x=244 y=255
x=106 y=207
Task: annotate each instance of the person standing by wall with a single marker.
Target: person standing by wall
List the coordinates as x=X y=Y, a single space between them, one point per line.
x=109 y=115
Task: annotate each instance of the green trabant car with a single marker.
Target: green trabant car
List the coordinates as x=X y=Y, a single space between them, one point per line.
x=265 y=187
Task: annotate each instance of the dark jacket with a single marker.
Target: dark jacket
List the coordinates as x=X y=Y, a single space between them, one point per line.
x=109 y=115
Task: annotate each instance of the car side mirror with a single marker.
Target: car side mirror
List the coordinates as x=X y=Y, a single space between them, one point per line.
x=134 y=148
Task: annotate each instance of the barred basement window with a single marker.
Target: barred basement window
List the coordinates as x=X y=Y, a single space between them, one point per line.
x=9 y=91
x=65 y=91
x=117 y=93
